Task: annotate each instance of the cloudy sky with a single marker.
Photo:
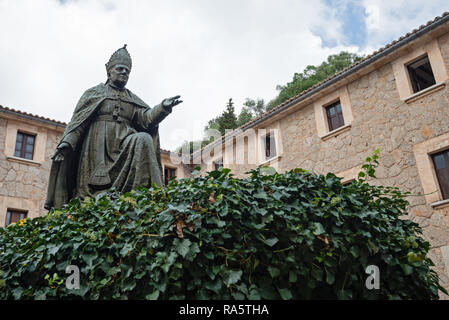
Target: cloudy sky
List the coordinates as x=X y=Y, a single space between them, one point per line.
x=205 y=50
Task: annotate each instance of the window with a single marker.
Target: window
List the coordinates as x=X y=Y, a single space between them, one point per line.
x=421 y=75
x=24 y=146
x=333 y=113
x=335 y=116
x=441 y=164
x=13 y=216
x=270 y=146
x=432 y=162
x=218 y=164
x=168 y=174
x=420 y=71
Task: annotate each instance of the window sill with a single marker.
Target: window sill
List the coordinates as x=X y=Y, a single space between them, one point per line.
x=440 y=204
x=425 y=92
x=24 y=161
x=336 y=132
x=274 y=159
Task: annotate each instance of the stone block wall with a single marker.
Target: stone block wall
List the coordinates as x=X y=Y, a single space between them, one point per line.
x=23 y=183
x=381 y=120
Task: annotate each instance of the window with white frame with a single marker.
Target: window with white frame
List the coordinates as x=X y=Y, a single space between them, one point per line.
x=270 y=146
x=333 y=113
x=421 y=74
x=420 y=71
x=441 y=165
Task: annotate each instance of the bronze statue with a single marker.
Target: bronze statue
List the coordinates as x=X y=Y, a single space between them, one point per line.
x=112 y=140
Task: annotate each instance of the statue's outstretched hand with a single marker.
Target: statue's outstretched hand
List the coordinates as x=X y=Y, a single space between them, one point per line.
x=61 y=152
x=171 y=102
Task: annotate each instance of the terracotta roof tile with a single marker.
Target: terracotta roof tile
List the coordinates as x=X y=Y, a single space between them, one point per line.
x=32 y=115
x=51 y=120
x=302 y=93
x=349 y=67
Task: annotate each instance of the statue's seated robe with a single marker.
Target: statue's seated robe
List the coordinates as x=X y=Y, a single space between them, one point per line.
x=115 y=143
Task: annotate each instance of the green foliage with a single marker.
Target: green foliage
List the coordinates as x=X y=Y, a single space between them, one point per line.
x=254 y=108
x=313 y=75
x=296 y=235
x=244 y=116
x=193 y=146
x=226 y=121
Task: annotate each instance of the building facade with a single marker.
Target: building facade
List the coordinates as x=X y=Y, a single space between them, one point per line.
x=395 y=100
x=27 y=143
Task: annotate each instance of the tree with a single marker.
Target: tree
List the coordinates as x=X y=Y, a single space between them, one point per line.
x=227 y=120
x=313 y=75
x=310 y=76
x=244 y=116
x=257 y=107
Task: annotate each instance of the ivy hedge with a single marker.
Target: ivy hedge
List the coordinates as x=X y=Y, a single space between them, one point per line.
x=296 y=235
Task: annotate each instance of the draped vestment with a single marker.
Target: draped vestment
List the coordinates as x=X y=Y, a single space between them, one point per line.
x=115 y=143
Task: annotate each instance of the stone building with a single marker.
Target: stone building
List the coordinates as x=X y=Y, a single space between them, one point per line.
x=27 y=142
x=396 y=99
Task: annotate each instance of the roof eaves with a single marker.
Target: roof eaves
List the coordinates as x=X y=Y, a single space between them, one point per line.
x=410 y=36
x=33 y=117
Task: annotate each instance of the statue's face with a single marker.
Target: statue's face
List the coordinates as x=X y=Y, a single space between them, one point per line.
x=119 y=75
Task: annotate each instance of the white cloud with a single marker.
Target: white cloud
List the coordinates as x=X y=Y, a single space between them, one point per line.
x=373 y=17
x=388 y=20
x=207 y=51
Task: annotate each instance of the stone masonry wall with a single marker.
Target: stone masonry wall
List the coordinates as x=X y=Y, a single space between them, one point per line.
x=381 y=120
x=23 y=185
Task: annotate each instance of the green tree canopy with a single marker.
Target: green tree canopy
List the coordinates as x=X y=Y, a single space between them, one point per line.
x=312 y=75
x=301 y=81
x=227 y=120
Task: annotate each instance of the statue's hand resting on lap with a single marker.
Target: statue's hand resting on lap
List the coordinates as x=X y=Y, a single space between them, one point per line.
x=61 y=152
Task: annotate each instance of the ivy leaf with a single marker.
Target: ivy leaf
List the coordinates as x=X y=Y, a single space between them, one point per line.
x=53 y=249
x=408 y=270
x=89 y=258
x=153 y=296
x=274 y=272
x=285 y=294
x=183 y=247
x=209 y=255
x=126 y=248
x=272 y=241
x=128 y=284
x=214 y=286
x=319 y=230
x=261 y=195
x=231 y=276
